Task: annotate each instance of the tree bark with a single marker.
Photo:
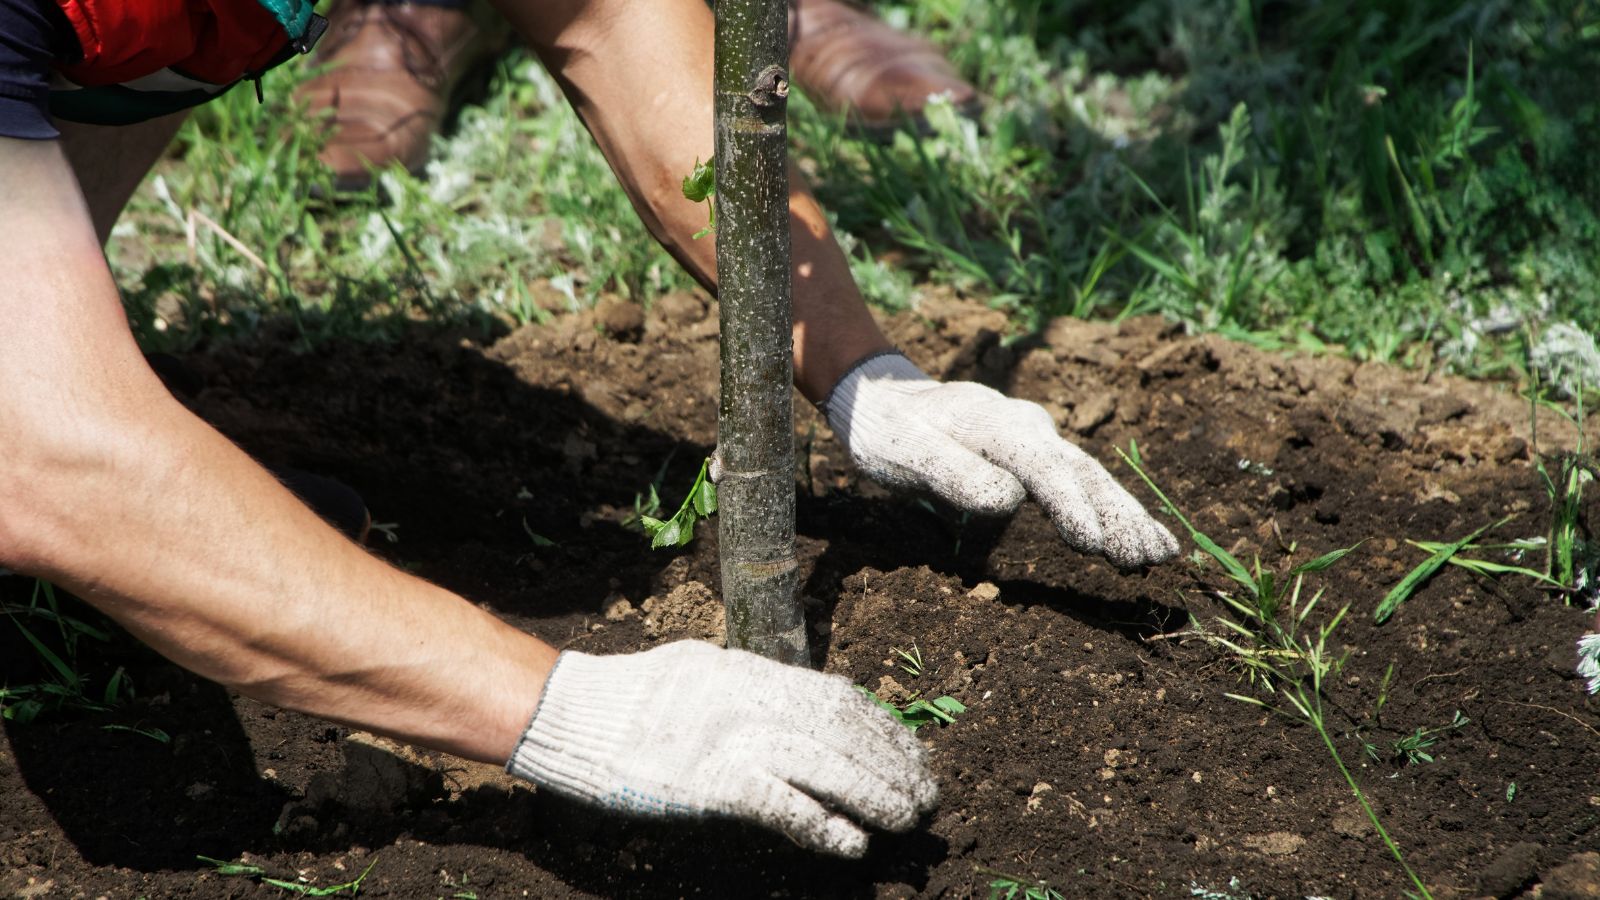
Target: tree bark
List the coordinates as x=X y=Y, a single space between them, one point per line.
x=755 y=428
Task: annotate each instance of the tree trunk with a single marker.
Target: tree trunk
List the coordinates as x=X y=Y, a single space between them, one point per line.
x=755 y=428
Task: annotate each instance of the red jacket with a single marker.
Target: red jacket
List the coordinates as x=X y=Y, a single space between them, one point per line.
x=212 y=41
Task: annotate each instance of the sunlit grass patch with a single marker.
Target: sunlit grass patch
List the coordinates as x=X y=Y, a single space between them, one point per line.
x=1408 y=183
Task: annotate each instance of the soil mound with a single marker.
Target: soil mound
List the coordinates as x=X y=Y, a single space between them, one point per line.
x=1098 y=751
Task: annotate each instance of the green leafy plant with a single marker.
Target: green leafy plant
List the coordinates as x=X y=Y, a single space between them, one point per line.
x=919 y=712
x=249 y=870
x=678 y=531
x=1288 y=657
x=700 y=186
x=647 y=503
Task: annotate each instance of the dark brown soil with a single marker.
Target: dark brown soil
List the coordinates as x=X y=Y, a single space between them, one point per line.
x=1098 y=752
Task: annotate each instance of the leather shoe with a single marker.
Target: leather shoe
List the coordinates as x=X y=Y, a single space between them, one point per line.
x=849 y=61
x=396 y=72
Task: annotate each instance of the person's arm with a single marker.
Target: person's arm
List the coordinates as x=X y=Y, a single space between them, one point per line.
x=640 y=75
x=113 y=490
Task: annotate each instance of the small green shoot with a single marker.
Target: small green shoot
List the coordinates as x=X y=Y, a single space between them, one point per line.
x=649 y=505
x=1569 y=556
x=1511 y=792
x=224 y=867
x=700 y=186
x=1418 y=576
x=919 y=712
x=678 y=531
x=1413 y=748
x=1010 y=887
x=153 y=733
x=912 y=660
x=1383 y=694
x=538 y=539
x=247 y=870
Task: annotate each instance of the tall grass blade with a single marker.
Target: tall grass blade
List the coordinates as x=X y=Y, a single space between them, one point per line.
x=1408 y=585
x=1325 y=560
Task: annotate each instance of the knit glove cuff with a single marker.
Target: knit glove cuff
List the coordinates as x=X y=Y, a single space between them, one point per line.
x=688 y=730
x=576 y=730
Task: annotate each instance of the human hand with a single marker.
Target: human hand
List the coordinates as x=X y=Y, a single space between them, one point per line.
x=984 y=453
x=691 y=730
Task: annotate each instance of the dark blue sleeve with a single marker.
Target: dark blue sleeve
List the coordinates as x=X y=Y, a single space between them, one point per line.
x=33 y=34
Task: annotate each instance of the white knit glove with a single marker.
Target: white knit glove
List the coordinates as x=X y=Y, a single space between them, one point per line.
x=1589 y=661
x=689 y=729
x=984 y=453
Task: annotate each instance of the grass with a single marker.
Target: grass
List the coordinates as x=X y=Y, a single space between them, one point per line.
x=242 y=869
x=66 y=686
x=1571 y=559
x=1280 y=648
x=1412 y=749
x=1011 y=887
x=1401 y=182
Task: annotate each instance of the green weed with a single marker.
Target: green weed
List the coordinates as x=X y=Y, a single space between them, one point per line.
x=911 y=660
x=919 y=711
x=68 y=687
x=678 y=531
x=1412 y=749
x=1571 y=558
x=1286 y=655
x=1270 y=613
x=250 y=870
x=1012 y=887
x=1441 y=553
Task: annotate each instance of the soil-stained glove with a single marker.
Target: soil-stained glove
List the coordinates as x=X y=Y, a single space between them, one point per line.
x=692 y=730
x=984 y=452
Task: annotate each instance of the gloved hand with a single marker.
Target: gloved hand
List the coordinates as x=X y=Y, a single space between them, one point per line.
x=1589 y=661
x=689 y=729
x=984 y=453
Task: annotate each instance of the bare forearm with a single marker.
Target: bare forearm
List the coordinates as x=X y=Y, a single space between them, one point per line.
x=200 y=553
x=113 y=490
x=642 y=83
